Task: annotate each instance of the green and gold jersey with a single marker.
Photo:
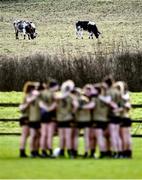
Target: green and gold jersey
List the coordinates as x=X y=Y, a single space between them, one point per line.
x=25 y=112
x=100 y=111
x=47 y=97
x=34 y=111
x=116 y=98
x=64 y=109
x=83 y=115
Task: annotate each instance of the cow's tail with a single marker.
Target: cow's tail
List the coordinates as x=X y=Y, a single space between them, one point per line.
x=15 y=25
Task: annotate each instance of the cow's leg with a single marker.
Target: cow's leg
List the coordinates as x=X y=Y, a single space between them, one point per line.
x=81 y=33
x=24 y=33
x=90 y=35
x=16 y=33
x=29 y=36
x=77 y=34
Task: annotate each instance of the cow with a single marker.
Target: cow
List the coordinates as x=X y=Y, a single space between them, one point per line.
x=86 y=26
x=26 y=28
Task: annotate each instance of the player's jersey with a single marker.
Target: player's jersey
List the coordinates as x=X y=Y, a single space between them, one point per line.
x=25 y=112
x=47 y=97
x=116 y=98
x=34 y=111
x=83 y=115
x=100 y=111
x=64 y=109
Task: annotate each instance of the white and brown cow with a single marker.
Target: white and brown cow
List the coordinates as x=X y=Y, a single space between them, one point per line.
x=86 y=26
x=26 y=28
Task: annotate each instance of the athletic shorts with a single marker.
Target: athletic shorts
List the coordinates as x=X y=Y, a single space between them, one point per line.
x=85 y=124
x=100 y=125
x=47 y=117
x=65 y=124
x=23 y=121
x=34 y=125
x=125 y=122
x=115 y=120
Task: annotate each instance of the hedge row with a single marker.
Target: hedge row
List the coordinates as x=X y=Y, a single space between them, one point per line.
x=15 y=71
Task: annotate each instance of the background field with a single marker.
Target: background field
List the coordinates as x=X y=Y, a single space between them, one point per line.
x=12 y=167
x=120 y=22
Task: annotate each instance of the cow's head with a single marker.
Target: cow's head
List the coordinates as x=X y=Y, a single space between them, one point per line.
x=33 y=33
x=31 y=30
x=97 y=34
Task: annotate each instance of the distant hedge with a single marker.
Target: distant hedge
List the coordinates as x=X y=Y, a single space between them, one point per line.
x=15 y=71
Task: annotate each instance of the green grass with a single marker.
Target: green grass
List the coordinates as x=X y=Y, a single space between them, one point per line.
x=118 y=20
x=136 y=113
x=12 y=167
x=16 y=97
x=9 y=112
x=11 y=97
x=9 y=127
x=136 y=98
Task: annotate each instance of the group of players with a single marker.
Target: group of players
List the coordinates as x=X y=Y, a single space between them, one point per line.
x=99 y=111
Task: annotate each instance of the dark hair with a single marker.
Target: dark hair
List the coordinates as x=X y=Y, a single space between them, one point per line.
x=28 y=87
x=52 y=83
x=109 y=80
x=40 y=86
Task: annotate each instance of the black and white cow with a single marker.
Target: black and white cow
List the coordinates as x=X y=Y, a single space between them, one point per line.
x=86 y=26
x=26 y=28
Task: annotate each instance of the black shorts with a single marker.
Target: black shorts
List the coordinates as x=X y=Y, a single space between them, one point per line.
x=115 y=120
x=66 y=124
x=48 y=116
x=125 y=122
x=23 y=121
x=34 y=125
x=100 y=125
x=85 y=124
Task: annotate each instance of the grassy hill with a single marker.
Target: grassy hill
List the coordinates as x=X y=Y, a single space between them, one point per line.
x=119 y=21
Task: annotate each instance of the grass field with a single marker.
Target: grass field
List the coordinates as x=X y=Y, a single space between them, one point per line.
x=119 y=21
x=12 y=167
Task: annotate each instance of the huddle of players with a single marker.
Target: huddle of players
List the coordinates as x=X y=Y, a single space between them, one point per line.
x=101 y=110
